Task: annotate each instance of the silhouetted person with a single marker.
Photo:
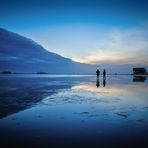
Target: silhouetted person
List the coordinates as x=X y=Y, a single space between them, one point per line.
x=97 y=72
x=104 y=82
x=97 y=83
x=104 y=73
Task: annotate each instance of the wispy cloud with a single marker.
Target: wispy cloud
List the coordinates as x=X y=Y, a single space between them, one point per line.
x=94 y=44
x=119 y=46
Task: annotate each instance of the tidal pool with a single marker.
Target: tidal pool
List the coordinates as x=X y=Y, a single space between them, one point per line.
x=73 y=111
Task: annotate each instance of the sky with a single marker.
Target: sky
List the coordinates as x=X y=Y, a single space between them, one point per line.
x=87 y=31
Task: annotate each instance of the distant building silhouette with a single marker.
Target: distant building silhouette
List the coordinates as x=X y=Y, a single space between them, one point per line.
x=139 y=71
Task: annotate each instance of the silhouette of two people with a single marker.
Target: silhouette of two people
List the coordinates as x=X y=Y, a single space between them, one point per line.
x=104 y=78
x=98 y=73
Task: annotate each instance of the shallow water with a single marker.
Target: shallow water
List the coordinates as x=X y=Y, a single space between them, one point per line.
x=73 y=111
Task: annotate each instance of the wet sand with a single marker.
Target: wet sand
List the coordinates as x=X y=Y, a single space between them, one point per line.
x=73 y=111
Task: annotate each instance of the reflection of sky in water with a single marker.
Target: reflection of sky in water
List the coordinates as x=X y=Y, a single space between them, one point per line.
x=136 y=95
x=78 y=111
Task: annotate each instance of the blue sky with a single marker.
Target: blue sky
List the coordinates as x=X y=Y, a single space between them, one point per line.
x=90 y=31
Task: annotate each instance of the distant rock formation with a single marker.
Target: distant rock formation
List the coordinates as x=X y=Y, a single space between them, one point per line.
x=19 y=54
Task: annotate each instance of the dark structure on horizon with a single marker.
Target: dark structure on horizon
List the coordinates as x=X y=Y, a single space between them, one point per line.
x=139 y=71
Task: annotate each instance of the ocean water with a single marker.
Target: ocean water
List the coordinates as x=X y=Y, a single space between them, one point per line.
x=73 y=111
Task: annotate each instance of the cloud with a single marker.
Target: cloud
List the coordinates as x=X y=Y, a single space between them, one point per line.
x=119 y=46
x=95 y=44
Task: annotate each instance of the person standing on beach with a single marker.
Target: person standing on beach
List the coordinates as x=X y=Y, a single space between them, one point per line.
x=104 y=73
x=97 y=73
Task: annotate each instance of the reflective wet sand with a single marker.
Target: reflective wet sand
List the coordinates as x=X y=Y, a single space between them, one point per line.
x=73 y=111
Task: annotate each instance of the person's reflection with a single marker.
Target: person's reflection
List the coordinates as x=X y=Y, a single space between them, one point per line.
x=104 y=81
x=97 y=82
